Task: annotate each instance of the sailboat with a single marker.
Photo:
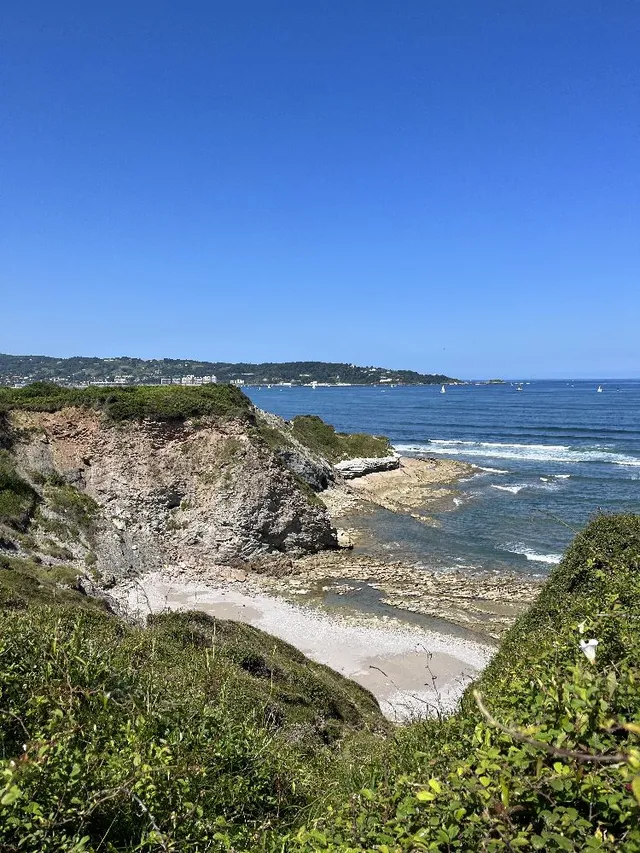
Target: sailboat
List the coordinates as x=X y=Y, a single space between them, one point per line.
x=599 y=389
x=443 y=390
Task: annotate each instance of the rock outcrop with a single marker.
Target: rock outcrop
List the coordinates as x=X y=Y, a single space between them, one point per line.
x=198 y=492
x=352 y=468
x=310 y=467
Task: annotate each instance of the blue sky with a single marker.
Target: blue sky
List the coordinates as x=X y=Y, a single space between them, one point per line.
x=432 y=184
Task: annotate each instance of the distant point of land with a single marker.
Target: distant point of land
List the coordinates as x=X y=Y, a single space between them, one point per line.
x=25 y=369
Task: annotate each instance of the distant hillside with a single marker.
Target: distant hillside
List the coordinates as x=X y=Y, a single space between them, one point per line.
x=78 y=370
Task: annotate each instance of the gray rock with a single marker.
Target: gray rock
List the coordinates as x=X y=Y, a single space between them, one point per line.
x=166 y=493
x=352 y=468
x=87 y=587
x=315 y=473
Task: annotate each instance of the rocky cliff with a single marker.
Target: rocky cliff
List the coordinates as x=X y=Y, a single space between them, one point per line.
x=120 y=496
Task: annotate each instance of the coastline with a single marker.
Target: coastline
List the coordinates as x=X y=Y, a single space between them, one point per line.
x=411 y=672
x=415 y=638
x=416 y=487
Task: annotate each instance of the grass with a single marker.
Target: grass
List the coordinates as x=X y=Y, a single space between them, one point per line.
x=25 y=582
x=195 y=734
x=17 y=497
x=78 y=509
x=163 y=403
x=191 y=734
x=322 y=438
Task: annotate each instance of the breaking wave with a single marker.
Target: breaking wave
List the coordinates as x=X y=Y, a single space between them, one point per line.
x=530 y=452
x=530 y=554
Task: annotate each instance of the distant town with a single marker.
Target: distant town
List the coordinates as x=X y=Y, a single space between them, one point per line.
x=18 y=371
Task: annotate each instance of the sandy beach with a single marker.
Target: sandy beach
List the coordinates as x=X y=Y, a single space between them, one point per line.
x=412 y=672
x=427 y=635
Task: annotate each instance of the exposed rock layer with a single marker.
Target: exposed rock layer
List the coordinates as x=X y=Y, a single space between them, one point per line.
x=352 y=468
x=200 y=492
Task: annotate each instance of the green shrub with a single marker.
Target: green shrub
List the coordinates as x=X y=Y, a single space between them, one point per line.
x=322 y=438
x=17 y=497
x=165 y=403
x=546 y=754
x=77 y=508
x=187 y=735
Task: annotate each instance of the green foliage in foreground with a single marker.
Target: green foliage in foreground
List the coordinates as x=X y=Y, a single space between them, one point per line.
x=322 y=438
x=201 y=736
x=556 y=765
x=190 y=734
x=160 y=402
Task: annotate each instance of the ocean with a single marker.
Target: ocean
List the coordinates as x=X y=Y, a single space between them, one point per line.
x=551 y=456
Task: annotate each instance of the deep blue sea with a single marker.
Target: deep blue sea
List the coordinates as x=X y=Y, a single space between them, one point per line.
x=552 y=455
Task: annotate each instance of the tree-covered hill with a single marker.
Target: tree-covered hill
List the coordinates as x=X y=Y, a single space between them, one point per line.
x=78 y=370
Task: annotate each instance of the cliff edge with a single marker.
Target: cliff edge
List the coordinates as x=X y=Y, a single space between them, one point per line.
x=141 y=478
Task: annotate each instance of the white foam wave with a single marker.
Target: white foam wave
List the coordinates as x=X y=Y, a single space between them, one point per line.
x=513 y=489
x=531 y=555
x=561 y=453
x=412 y=448
x=492 y=470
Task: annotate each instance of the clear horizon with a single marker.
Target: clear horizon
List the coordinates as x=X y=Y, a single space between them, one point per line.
x=416 y=186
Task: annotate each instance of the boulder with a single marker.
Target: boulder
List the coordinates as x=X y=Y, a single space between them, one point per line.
x=352 y=468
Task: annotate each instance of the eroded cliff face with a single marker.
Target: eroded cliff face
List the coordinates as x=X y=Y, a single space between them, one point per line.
x=201 y=492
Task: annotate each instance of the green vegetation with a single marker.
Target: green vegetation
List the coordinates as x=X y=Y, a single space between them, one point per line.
x=189 y=735
x=61 y=528
x=197 y=735
x=166 y=403
x=25 y=581
x=322 y=438
x=77 y=508
x=17 y=497
x=78 y=370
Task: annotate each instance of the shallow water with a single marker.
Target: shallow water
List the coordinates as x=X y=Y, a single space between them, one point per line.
x=410 y=671
x=553 y=454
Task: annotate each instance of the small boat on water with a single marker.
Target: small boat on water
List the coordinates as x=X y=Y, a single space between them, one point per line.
x=599 y=389
x=519 y=388
x=443 y=390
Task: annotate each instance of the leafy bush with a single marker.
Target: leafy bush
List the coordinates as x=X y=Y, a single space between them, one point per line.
x=187 y=735
x=322 y=438
x=545 y=752
x=77 y=508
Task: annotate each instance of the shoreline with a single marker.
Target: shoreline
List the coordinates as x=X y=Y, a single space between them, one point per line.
x=412 y=672
x=416 y=487
x=485 y=604
x=414 y=637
